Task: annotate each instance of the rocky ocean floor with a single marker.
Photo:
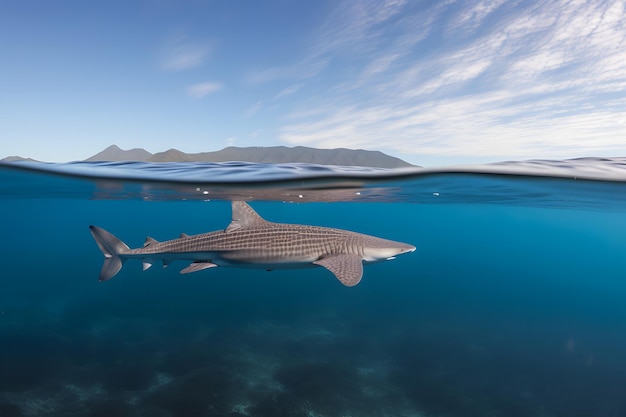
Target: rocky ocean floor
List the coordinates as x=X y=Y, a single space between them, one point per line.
x=323 y=366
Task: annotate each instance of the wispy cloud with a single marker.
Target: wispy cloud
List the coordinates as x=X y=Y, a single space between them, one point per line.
x=346 y=32
x=288 y=91
x=303 y=69
x=489 y=78
x=254 y=109
x=181 y=53
x=473 y=15
x=202 y=90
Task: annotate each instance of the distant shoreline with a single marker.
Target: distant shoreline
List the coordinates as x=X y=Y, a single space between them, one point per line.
x=256 y=154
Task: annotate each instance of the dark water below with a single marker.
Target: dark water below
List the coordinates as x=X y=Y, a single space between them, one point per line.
x=512 y=305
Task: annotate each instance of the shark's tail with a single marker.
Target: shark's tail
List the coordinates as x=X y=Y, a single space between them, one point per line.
x=111 y=247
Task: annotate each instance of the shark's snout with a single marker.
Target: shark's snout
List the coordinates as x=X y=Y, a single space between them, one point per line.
x=387 y=251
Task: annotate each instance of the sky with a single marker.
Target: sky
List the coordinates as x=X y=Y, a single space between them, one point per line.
x=434 y=82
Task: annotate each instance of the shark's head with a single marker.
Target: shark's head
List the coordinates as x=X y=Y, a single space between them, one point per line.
x=376 y=249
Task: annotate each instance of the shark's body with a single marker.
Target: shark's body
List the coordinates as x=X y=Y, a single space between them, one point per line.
x=249 y=241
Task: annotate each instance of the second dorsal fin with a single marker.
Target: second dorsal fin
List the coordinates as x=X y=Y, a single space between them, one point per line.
x=149 y=241
x=244 y=216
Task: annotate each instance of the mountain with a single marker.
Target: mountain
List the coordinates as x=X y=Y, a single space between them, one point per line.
x=114 y=153
x=259 y=154
x=17 y=159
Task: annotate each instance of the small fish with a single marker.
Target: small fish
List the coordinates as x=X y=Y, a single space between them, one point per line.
x=250 y=241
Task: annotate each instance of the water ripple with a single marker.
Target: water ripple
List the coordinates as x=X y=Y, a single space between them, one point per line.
x=583 y=182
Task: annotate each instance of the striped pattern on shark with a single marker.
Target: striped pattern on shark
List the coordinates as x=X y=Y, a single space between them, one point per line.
x=250 y=241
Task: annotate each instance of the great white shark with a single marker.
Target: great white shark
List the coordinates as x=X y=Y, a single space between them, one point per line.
x=250 y=241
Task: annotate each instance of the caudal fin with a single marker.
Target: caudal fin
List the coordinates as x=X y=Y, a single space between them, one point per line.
x=111 y=247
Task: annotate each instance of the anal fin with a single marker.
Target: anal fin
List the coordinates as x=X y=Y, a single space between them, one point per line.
x=197 y=266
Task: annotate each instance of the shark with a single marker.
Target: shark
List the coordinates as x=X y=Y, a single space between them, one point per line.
x=250 y=241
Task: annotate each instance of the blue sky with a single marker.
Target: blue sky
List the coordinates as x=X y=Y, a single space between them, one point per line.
x=433 y=82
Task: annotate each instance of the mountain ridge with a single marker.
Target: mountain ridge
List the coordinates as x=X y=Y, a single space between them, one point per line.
x=255 y=154
x=258 y=154
x=114 y=153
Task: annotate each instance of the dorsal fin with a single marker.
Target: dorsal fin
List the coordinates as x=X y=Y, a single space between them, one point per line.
x=183 y=235
x=149 y=241
x=244 y=216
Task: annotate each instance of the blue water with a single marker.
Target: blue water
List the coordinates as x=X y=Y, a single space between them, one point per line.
x=512 y=305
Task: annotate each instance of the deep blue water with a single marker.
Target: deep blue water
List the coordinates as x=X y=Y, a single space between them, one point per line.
x=512 y=305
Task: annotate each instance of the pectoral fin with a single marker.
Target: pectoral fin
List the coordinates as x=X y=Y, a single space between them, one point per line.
x=347 y=268
x=197 y=266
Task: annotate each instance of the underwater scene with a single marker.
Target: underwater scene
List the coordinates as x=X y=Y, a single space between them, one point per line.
x=512 y=304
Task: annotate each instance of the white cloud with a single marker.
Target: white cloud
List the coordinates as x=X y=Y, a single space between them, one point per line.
x=476 y=126
x=202 y=90
x=508 y=79
x=180 y=54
